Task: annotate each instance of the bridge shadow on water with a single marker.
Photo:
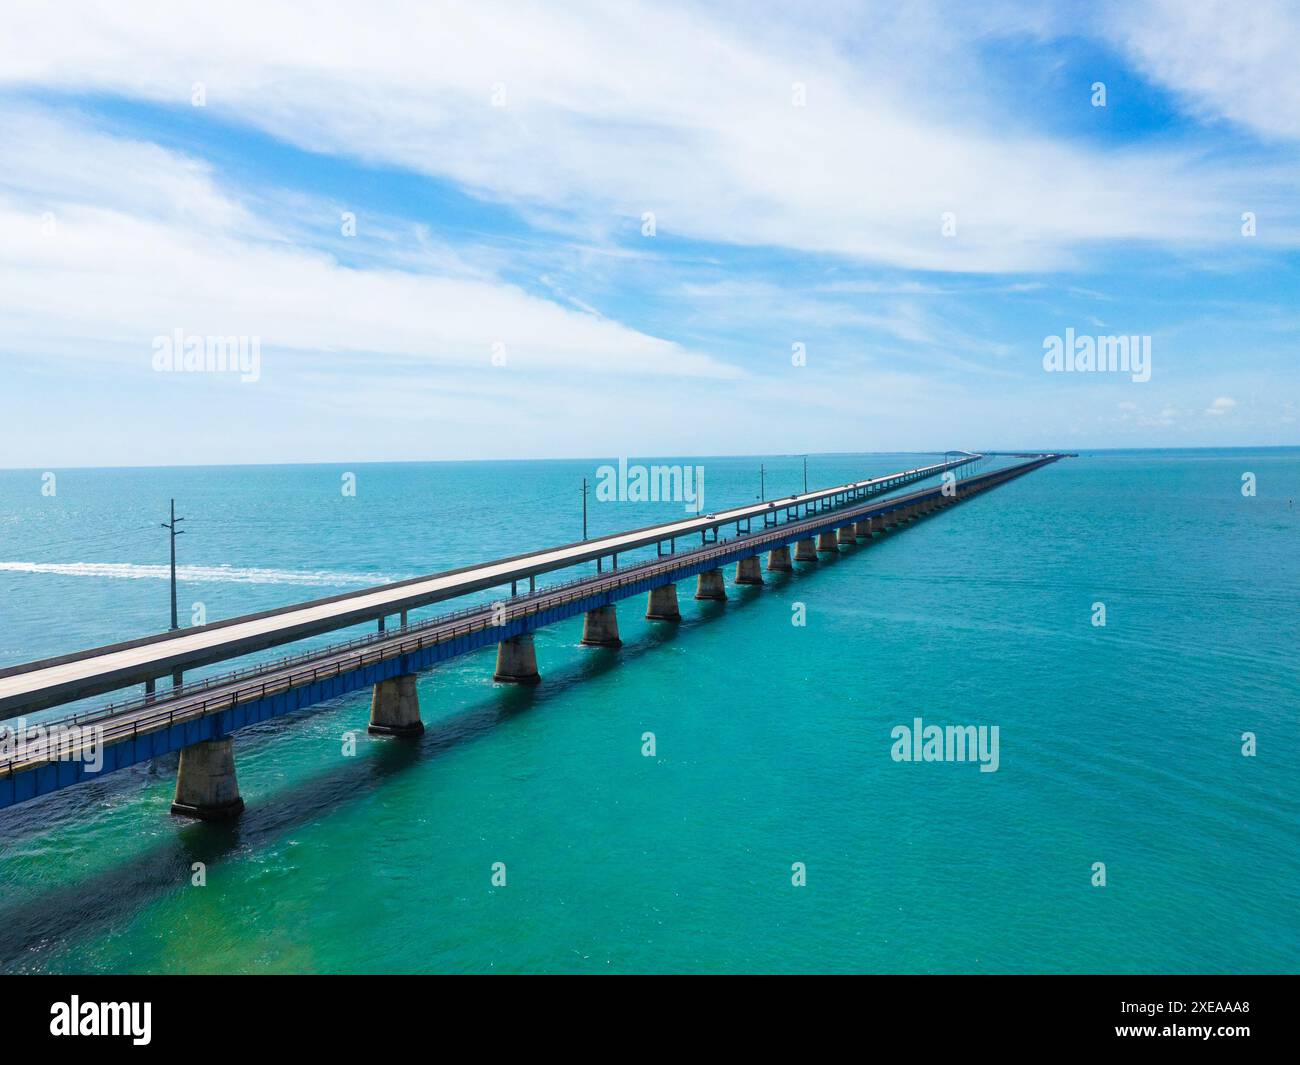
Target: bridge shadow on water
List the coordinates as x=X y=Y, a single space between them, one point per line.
x=50 y=919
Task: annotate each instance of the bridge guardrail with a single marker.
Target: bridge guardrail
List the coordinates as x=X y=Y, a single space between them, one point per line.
x=231 y=676
x=477 y=618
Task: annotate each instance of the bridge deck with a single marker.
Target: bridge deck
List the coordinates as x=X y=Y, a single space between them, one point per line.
x=167 y=711
x=38 y=685
x=39 y=759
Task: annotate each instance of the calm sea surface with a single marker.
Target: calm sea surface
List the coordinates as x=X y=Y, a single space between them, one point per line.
x=1120 y=745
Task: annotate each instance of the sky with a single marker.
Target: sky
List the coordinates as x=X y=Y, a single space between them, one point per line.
x=510 y=230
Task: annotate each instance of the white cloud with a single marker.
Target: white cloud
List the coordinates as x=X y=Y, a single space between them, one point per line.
x=1221 y=406
x=378 y=348
x=144 y=242
x=1223 y=58
x=615 y=110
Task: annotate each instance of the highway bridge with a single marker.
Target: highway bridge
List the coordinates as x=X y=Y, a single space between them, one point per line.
x=199 y=719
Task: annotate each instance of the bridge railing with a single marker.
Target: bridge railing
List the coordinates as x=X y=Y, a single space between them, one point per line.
x=443 y=628
x=234 y=676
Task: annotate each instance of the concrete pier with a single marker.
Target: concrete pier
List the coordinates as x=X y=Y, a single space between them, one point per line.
x=748 y=571
x=517 y=661
x=600 y=627
x=206 y=787
x=778 y=560
x=805 y=551
x=634 y=563
x=710 y=585
x=662 y=604
x=395 y=708
x=844 y=535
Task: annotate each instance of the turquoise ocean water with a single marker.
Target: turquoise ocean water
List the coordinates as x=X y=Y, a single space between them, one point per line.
x=1119 y=744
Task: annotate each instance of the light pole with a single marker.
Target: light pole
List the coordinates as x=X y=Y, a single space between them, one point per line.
x=584 y=508
x=171 y=528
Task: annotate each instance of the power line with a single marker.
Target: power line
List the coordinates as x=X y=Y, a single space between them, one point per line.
x=99 y=538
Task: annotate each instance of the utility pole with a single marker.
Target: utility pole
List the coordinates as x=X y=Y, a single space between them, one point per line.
x=762 y=481
x=805 y=475
x=584 y=508
x=171 y=527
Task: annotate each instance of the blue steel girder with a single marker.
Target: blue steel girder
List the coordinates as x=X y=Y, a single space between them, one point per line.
x=29 y=783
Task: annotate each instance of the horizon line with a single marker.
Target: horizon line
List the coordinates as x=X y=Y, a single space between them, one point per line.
x=1079 y=451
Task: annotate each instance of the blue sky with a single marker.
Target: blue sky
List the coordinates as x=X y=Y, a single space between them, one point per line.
x=500 y=160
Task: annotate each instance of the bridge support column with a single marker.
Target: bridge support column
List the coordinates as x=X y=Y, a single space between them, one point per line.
x=826 y=542
x=805 y=551
x=517 y=661
x=748 y=571
x=845 y=535
x=863 y=529
x=710 y=585
x=778 y=560
x=600 y=627
x=395 y=708
x=206 y=787
x=662 y=604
